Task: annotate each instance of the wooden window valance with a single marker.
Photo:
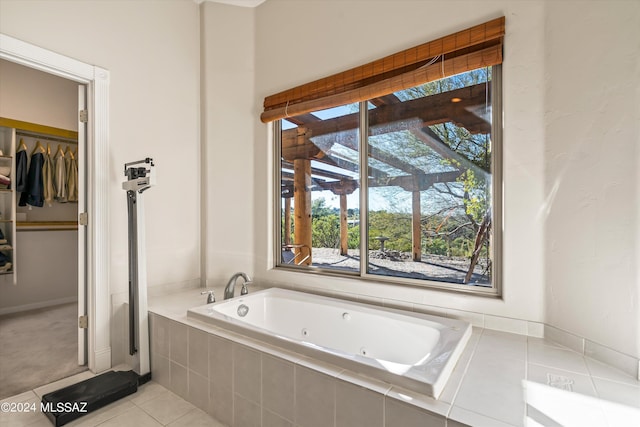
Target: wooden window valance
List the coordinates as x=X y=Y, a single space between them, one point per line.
x=475 y=47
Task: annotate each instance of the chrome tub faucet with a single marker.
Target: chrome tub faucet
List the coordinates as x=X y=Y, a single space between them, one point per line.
x=230 y=288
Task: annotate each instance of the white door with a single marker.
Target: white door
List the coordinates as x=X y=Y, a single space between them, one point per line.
x=82 y=237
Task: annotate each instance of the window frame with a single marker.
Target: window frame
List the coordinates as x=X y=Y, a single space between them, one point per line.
x=496 y=201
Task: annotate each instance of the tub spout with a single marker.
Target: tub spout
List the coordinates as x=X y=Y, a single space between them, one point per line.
x=230 y=288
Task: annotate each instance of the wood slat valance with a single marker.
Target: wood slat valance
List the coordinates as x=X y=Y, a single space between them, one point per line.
x=475 y=47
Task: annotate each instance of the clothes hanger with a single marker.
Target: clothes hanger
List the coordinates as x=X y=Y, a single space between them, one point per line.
x=59 y=151
x=38 y=148
x=48 y=149
x=22 y=146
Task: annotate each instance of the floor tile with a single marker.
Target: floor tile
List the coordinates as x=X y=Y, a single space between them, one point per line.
x=167 y=407
x=103 y=414
x=23 y=410
x=146 y=392
x=134 y=417
x=196 y=418
x=461 y=416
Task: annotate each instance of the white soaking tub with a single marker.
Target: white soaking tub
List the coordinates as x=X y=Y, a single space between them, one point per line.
x=412 y=350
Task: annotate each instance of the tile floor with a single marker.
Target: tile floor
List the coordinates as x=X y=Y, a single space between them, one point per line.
x=151 y=406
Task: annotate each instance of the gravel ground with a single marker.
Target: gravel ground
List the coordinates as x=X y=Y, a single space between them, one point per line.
x=400 y=264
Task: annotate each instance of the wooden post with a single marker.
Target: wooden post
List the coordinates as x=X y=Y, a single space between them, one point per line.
x=302 y=205
x=344 y=237
x=287 y=221
x=416 y=226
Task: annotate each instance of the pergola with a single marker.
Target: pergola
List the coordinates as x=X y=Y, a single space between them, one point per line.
x=464 y=107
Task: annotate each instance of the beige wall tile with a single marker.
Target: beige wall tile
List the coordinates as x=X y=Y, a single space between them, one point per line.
x=357 y=406
x=199 y=352
x=221 y=401
x=269 y=419
x=246 y=373
x=315 y=398
x=179 y=380
x=246 y=413
x=198 y=391
x=179 y=343
x=278 y=386
x=398 y=414
x=161 y=370
x=160 y=335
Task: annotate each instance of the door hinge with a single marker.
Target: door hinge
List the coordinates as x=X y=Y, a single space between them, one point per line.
x=83 y=218
x=83 y=116
x=83 y=322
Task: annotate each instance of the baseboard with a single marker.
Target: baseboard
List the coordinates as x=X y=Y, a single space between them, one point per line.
x=36 y=305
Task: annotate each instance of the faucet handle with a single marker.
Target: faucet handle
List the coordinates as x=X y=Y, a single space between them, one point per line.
x=211 y=298
x=245 y=289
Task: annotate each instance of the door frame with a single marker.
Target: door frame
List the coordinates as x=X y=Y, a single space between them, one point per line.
x=97 y=167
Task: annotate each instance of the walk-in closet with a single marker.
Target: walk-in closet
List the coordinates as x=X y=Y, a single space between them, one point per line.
x=41 y=170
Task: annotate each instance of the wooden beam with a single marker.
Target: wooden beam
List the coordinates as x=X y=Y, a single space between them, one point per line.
x=287 y=221
x=308 y=150
x=344 y=236
x=433 y=109
x=344 y=187
x=416 y=228
x=419 y=182
x=302 y=209
x=302 y=206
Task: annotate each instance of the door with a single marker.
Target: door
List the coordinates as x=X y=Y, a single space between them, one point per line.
x=82 y=235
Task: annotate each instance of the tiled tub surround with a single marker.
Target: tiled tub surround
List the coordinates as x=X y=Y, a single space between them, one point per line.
x=243 y=382
x=413 y=350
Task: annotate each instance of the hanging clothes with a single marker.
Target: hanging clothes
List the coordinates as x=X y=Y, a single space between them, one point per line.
x=47 y=177
x=34 y=195
x=21 y=167
x=60 y=177
x=72 y=176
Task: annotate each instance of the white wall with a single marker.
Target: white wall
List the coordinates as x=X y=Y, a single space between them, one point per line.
x=228 y=117
x=151 y=49
x=592 y=140
x=33 y=96
x=47 y=271
x=571 y=217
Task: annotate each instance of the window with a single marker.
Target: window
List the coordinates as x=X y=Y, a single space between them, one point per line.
x=401 y=184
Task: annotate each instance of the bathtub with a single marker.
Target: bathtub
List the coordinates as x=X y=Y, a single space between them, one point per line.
x=411 y=350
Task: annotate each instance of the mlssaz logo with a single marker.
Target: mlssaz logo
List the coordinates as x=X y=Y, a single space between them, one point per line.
x=80 y=407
